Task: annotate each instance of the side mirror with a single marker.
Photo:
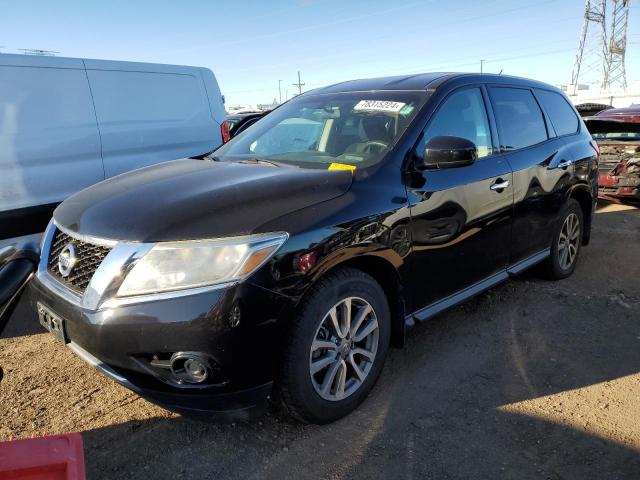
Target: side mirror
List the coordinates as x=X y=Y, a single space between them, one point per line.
x=448 y=152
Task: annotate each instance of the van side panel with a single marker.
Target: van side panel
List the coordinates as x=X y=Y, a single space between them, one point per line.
x=49 y=140
x=149 y=114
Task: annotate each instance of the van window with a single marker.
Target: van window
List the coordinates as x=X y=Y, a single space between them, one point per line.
x=519 y=118
x=462 y=115
x=563 y=118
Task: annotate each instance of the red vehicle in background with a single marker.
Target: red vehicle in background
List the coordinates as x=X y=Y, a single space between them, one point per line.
x=617 y=132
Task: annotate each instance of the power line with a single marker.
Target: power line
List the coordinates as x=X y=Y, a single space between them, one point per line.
x=425 y=68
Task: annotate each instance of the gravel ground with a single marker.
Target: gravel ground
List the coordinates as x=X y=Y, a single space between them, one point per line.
x=532 y=379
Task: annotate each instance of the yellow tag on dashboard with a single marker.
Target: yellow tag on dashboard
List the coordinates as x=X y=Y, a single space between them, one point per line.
x=341 y=166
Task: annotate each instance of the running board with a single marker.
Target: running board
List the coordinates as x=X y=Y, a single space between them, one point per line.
x=475 y=289
x=522 y=265
x=457 y=298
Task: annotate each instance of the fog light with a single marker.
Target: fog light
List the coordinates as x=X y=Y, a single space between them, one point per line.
x=190 y=367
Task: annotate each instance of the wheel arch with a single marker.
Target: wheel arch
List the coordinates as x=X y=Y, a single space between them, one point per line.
x=387 y=275
x=583 y=196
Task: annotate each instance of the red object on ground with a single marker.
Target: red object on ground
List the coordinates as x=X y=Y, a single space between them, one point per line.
x=58 y=457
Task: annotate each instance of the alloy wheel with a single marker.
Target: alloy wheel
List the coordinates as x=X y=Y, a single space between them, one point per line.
x=344 y=349
x=568 y=241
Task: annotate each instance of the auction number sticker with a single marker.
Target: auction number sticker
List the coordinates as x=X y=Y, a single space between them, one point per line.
x=378 y=106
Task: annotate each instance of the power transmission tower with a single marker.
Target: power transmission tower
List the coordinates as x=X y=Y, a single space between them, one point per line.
x=592 y=49
x=299 y=84
x=614 y=71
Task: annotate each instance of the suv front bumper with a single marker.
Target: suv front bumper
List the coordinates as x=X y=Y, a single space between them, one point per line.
x=114 y=340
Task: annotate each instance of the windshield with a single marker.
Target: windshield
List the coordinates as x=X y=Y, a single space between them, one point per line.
x=354 y=129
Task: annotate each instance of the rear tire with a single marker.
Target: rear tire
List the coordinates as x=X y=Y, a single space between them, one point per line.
x=330 y=364
x=567 y=242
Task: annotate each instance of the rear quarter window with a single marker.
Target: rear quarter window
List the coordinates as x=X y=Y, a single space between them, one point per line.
x=519 y=118
x=563 y=118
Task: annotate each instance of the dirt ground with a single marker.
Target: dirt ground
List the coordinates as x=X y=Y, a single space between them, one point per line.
x=532 y=379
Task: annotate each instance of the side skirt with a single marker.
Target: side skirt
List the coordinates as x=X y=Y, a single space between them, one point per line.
x=475 y=289
x=522 y=265
x=437 y=307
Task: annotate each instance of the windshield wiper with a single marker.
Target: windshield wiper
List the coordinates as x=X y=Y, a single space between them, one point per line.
x=260 y=161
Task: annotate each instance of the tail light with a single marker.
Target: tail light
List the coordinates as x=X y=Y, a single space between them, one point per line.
x=224 y=131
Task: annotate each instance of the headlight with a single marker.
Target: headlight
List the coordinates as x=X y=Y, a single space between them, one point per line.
x=191 y=264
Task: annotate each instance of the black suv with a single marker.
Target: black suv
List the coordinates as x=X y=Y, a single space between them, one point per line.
x=290 y=259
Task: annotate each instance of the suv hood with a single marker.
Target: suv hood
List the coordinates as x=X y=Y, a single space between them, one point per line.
x=195 y=199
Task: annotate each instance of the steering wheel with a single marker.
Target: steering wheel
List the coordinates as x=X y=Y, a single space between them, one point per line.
x=373 y=146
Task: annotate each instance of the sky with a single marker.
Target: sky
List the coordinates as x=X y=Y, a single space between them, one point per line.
x=251 y=45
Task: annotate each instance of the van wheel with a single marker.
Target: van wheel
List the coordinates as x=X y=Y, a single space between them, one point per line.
x=566 y=242
x=336 y=347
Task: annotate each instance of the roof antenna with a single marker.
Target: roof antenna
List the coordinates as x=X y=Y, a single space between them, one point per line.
x=501 y=71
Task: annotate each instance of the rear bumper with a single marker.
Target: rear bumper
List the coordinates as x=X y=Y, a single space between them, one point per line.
x=618 y=186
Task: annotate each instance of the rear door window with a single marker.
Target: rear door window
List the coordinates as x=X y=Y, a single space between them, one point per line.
x=563 y=118
x=519 y=118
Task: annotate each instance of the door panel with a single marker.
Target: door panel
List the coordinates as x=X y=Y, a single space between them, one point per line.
x=460 y=228
x=460 y=225
x=542 y=168
x=539 y=186
x=17 y=263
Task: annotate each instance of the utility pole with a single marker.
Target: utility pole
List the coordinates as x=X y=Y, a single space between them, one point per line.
x=481 y=65
x=299 y=84
x=280 y=90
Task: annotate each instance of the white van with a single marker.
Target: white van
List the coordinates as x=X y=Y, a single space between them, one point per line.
x=67 y=123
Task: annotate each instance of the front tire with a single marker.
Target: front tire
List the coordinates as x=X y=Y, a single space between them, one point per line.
x=336 y=347
x=567 y=242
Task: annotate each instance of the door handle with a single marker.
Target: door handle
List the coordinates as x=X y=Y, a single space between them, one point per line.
x=499 y=185
x=561 y=164
x=564 y=163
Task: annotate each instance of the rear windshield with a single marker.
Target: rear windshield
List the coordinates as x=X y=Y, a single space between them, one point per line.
x=356 y=129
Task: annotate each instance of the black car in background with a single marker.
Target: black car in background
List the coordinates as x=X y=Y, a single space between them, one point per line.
x=296 y=254
x=238 y=122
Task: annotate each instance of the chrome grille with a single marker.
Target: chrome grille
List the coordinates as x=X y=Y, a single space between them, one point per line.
x=89 y=257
